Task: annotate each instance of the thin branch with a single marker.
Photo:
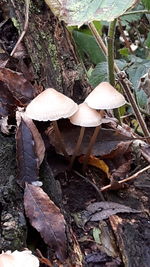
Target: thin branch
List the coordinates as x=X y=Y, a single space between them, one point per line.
x=27 y=3
x=126 y=179
x=136 y=12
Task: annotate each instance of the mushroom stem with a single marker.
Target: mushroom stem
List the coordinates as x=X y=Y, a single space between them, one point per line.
x=80 y=138
x=92 y=141
x=58 y=134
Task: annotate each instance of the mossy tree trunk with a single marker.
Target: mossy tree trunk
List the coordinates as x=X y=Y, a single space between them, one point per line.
x=50 y=47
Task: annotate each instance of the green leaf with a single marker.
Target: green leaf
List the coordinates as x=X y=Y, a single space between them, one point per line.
x=96 y=235
x=88 y=47
x=124 y=51
x=77 y=12
x=100 y=73
x=147 y=41
x=137 y=70
x=141 y=98
x=146 y=3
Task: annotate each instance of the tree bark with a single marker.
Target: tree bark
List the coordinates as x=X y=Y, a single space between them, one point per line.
x=50 y=47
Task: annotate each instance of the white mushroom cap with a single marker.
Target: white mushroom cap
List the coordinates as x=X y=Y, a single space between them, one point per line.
x=18 y=259
x=51 y=105
x=86 y=117
x=105 y=96
x=7 y=260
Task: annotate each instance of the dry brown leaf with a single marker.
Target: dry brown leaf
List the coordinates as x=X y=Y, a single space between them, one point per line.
x=7 y=101
x=26 y=155
x=106 y=145
x=20 y=89
x=46 y=218
x=39 y=144
x=102 y=210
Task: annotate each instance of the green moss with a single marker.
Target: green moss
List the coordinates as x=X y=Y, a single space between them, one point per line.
x=35 y=8
x=16 y=24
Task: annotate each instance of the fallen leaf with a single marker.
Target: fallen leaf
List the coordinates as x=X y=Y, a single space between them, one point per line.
x=20 y=89
x=27 y=162
x=106 y=145
x=39 y=144
x=93 y=161
x=96 y=235
x=46 y=218
x=108 y=244
x=102 y=210
x=7 y=101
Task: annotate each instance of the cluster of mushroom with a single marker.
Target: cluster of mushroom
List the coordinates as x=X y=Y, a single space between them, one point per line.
x=52 y=105
x=18 y=259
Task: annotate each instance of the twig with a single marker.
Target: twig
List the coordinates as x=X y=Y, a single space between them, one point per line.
x=27 y=3
x=94 y=185
x=127 y=179
x=141 y=109
x=136 y=12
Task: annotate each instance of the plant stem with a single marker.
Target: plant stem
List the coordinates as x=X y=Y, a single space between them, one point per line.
x=110 y=59
x=58 y=135
x=110 y=48
x=124 y=84
x=126 y=87
x=82 y=130
x=100 y=43
x=92 y=141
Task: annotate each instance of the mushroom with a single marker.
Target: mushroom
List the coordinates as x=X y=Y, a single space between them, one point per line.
x=104 y=96
x=17 y=259
x=52 y=105
x=84 y=117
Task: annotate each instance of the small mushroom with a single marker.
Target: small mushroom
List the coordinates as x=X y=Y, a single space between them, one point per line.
x=104 y=96
x=52 y=105
x=17 y=259
x=84 y=117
